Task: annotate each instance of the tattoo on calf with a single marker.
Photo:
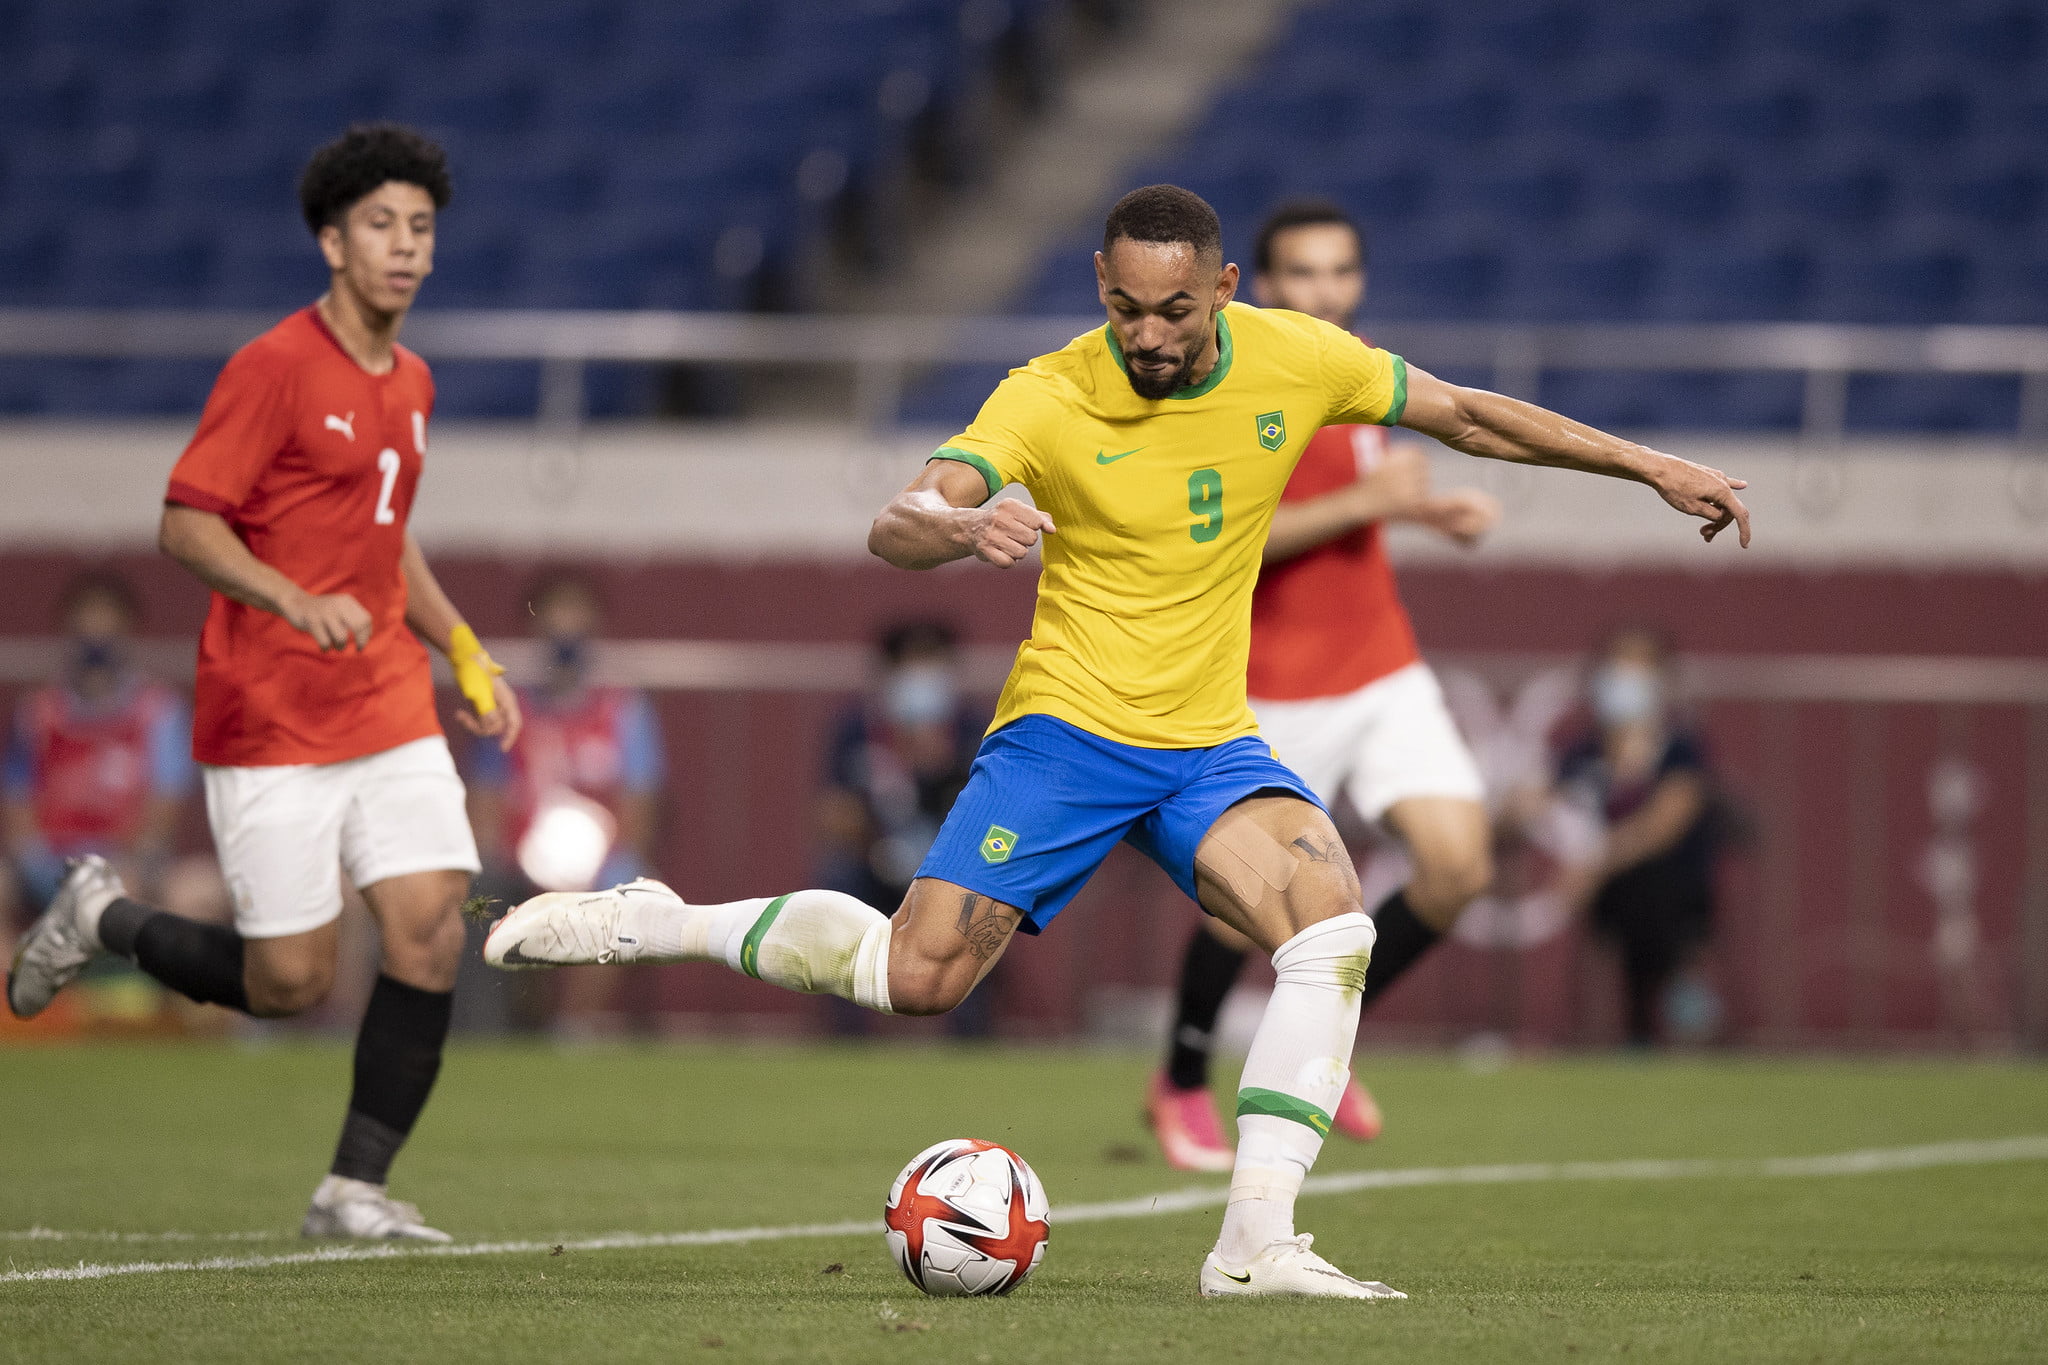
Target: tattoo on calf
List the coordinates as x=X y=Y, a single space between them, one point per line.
x=987 y=931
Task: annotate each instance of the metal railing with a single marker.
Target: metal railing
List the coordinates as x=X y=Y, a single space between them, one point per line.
x=886 y=354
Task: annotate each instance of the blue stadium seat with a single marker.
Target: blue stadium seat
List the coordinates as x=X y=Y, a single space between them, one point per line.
x=128 y=267
x=2012 y=287
x=199 y=94
x=1602 y=284
x=1933 y=402
x=34 y=255
x=1898 y=287
x=1411 y=280
x=50 y=91
x=1702 y=35
x=1710 y=284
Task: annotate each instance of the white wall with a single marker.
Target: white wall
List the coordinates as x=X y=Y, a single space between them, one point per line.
x=809 y=491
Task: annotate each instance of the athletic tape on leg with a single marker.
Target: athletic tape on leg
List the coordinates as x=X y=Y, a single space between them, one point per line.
x=1245 y=858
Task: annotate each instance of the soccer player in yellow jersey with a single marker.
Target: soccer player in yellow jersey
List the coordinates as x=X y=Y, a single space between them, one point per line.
x=1155 y=450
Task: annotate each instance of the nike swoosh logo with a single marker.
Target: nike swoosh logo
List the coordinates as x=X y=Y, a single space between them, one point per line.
x=513 y=957
x=1101 y=458
x=1245 y=1278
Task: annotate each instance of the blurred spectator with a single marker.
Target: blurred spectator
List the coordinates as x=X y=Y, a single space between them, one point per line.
x=99 y=760
x=1650 y=891
x=574 y=805
x=899 y=758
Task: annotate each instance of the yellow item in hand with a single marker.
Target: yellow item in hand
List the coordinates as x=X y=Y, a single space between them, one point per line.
x=474 y=669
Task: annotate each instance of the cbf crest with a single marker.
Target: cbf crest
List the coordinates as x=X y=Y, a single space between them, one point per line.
x=1272 y=429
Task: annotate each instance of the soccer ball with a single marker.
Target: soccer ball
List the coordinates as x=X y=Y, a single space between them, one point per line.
x=967 y=1217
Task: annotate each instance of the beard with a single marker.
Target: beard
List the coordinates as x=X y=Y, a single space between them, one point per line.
x=1147 y=387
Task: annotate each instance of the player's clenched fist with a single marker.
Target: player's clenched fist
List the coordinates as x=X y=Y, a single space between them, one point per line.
x=334 y=621
x=1004 y=532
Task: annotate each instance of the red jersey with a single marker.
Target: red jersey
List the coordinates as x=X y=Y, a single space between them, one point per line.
x=92 y=769
x=313 y=461
x=1330 y=620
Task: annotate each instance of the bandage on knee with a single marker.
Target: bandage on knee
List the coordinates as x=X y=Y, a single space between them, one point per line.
x=1246 y=859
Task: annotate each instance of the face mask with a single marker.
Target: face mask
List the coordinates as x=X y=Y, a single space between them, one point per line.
x=922 y=694
x=1623 y=693
x=568 y=653
x=89 y=655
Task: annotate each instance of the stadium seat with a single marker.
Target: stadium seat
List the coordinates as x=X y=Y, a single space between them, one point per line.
x=1706 y=284
x=1956 y=404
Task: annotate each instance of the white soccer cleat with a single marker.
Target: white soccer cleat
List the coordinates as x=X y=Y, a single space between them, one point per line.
x=355 y=1208
x=1290 y=1268
x=568 y=928
x=61 y=942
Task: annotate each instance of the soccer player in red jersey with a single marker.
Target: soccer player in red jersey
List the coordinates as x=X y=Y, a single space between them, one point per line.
x=1339 y=688
x=314 y=715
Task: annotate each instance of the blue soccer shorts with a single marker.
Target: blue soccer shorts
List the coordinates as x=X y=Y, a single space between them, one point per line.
x=1046 y=801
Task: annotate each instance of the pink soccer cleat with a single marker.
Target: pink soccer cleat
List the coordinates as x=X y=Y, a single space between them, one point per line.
x=1358 y=1114
x=1185 y=1122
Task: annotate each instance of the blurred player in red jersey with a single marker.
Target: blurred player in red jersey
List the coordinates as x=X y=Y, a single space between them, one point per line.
x=314 y=715
x=100 y=760
x=1339 y=687
x=575 y=805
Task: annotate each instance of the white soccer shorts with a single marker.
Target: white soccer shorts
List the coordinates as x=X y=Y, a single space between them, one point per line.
x=1390 y=740
x=282 y=831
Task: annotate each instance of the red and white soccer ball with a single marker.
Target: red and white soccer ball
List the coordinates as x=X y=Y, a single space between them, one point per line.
x=967 y=1217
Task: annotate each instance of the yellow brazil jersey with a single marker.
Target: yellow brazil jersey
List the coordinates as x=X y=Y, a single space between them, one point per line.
x=1143 y=625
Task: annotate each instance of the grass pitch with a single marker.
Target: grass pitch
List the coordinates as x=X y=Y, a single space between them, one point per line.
x=181 y=1153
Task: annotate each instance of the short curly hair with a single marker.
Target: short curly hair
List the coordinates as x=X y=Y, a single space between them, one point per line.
x=363 y=158
x=1166 y=214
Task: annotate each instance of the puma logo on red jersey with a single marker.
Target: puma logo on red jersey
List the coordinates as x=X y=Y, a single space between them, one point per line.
x=345 y=425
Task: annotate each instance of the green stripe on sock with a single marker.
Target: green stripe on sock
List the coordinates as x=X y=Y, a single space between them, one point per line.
x=1273 y=1104
x=750 y=948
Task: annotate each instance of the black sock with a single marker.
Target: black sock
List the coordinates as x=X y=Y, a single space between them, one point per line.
x=1205 y=978
x=120 y=922
x=398 y=1054
x=1403 y=939
x=201 y=962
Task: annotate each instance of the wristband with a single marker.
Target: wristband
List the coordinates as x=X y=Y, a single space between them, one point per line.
x=474 y=669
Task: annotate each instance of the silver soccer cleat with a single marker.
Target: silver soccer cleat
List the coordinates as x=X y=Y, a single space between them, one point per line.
x=61 y=942
x=355 y=1208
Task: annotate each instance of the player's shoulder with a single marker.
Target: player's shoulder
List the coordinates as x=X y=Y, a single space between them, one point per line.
x=1282 y=327
x=281 y=347
x=1073 y=367
x=410 y=361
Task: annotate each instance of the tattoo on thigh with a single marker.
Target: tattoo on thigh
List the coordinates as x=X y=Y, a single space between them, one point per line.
x=988 y=930
x=1321 y=849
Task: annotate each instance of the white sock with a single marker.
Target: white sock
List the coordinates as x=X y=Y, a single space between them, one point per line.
x=1299 y=1064
x=819 y=942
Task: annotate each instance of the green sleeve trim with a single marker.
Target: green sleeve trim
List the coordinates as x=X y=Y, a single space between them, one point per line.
x=750 y=947
x=1400 y=403
x=988 y=471
x=1273 y=1104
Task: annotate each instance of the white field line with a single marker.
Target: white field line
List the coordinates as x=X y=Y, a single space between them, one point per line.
x=1866 y=1162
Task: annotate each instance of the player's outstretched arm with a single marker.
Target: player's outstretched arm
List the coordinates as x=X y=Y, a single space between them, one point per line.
x=945 y=515
x=204 y=543
x=1496 y=427
x=493 y=705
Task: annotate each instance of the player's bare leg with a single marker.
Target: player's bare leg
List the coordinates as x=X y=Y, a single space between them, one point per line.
x=1273 y=868
x=941 y=942
x=1450 y=844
